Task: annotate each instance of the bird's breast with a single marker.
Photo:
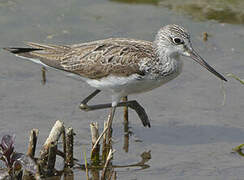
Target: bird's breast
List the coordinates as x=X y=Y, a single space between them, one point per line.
x=166 y=69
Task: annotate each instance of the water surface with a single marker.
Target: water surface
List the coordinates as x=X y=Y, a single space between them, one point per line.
x=193 y=131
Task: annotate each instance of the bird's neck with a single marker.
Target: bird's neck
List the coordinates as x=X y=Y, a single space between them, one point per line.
x=163 y=51
x=169 y=63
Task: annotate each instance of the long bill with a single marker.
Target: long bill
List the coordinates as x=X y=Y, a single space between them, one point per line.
x=203 y=63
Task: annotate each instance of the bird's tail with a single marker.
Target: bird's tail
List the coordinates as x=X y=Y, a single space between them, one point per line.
x=40 y=53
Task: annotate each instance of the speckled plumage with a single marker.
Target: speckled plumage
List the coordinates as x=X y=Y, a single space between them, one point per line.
x=119 y=65
x=156 y=61
x=98 y=59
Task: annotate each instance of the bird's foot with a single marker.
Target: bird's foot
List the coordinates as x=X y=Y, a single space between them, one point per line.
x=84 y=107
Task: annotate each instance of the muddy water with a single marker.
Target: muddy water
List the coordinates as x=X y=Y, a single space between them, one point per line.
x=196 y=120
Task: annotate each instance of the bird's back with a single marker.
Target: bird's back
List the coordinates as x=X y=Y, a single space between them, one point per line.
x=93 y=60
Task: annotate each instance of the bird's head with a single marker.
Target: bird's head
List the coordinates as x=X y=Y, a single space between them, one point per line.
x=173 y=40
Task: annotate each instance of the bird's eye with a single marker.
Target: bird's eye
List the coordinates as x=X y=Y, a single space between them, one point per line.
x=178 y=41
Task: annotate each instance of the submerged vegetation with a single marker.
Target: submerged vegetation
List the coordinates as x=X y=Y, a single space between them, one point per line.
x=223 y=11
x=14 y=162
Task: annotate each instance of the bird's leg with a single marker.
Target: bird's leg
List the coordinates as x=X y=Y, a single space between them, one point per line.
x=83 y=104
x=132 y=104
x=139 y=110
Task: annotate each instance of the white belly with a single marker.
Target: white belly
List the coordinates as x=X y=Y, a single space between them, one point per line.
x=123 y=86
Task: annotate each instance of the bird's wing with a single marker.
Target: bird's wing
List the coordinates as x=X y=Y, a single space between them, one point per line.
x=93 y=60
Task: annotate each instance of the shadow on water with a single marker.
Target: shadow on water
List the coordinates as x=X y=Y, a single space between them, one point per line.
x=95 y=171
x=141 y=165
x=223 y=11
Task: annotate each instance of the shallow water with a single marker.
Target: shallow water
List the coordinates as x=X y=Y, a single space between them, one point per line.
x=194 y=127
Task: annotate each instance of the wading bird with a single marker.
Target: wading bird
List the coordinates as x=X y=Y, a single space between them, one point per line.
x=119 y=65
